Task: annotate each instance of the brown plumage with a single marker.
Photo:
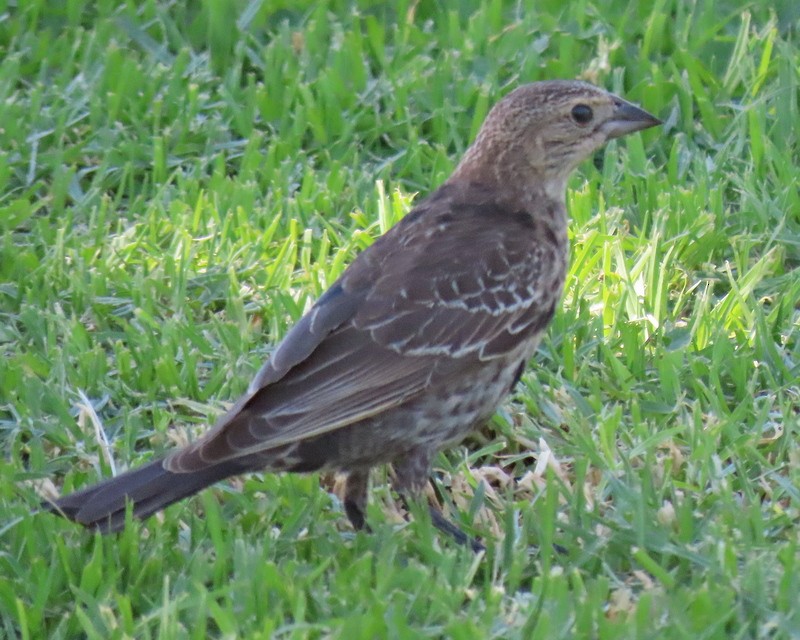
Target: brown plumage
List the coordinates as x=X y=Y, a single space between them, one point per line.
x=421 y=337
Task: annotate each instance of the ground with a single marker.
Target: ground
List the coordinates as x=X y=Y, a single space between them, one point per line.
x=178 y=181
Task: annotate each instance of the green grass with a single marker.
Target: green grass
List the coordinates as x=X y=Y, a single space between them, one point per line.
x=179 y=180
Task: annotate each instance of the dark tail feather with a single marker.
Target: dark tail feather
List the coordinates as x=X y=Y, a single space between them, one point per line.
x=150 y=488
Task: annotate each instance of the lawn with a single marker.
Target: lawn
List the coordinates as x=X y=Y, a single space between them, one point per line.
x=180 y=180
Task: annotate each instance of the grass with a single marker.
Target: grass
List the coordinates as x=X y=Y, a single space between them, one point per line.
x=178 y=181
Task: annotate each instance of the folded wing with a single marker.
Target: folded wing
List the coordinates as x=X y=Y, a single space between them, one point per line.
x=451 y=286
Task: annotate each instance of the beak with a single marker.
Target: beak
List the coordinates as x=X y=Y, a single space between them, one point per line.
x=626 y=119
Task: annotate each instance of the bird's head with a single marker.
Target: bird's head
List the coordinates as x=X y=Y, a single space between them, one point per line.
x=540 y=132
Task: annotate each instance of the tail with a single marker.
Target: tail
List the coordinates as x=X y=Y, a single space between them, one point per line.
x=149 y=488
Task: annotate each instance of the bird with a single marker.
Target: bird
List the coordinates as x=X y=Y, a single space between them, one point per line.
x=422 y=336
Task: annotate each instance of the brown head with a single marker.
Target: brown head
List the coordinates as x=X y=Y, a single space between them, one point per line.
x=534 y=137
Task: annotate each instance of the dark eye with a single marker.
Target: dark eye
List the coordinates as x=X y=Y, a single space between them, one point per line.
x=582 y=114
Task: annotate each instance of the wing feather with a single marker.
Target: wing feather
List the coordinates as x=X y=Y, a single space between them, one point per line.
x=466 y=287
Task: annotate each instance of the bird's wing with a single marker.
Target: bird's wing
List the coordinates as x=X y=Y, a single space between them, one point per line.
x=439 y=293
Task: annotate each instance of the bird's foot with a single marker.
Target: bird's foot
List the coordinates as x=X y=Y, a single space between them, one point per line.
x=444 y=525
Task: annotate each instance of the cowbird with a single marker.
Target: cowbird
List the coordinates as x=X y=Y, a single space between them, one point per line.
x=421 y=337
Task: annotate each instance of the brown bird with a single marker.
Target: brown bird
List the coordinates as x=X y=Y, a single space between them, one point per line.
x=421 y=338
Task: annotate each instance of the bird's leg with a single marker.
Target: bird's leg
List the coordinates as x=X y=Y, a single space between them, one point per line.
x=355 y=498
x=411 y=476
